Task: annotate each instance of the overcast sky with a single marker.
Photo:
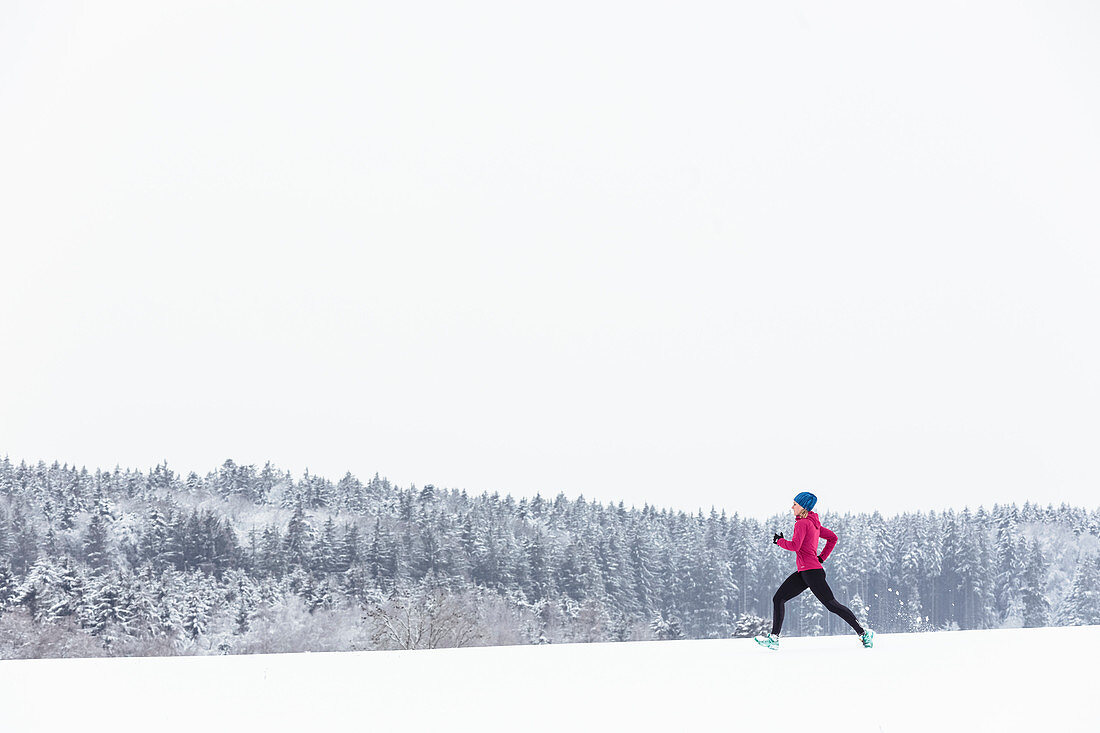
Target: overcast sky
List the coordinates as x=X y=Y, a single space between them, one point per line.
x=689 y=254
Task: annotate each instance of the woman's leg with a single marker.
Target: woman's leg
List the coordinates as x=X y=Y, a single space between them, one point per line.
x=791 y=587
x=815 y=579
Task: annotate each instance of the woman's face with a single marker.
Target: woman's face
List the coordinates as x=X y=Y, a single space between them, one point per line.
x=796 y=508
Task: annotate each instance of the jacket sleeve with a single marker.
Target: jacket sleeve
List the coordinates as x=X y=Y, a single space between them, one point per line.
x=795 y=542
x=830 y=541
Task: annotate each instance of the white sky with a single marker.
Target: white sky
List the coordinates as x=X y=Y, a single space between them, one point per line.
x=683 y=253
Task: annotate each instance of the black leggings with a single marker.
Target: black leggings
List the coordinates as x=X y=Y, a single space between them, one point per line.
x=813 y=579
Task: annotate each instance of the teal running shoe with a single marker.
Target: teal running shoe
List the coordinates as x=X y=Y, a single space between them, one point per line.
x=771 y=641
x=867 y=638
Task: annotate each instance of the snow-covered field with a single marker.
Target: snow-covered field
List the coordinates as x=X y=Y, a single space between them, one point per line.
x=1000 y=680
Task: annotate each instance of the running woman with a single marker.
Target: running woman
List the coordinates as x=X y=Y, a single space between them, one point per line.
x=810 y=573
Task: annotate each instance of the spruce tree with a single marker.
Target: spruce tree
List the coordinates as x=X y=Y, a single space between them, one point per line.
x=107 y=614
x=298 y=539
x=96 y=552
x=1081 y=606
x=8 y=586
x=349 y=552
x=196 y=612
x=326 y=549
x=38 y=592
x=1036 y=607
x=539 y=578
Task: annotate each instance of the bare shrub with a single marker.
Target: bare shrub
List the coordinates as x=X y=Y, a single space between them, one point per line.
x=425 y=619
x=23 y=638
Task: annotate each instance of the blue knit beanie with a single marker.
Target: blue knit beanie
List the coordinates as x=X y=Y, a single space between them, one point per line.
x=806 y=500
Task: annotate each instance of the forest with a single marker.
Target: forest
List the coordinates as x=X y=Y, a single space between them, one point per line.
x=249 y=559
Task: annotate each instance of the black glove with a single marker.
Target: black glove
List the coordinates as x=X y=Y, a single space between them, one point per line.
x=776 y=538
x=819 y=559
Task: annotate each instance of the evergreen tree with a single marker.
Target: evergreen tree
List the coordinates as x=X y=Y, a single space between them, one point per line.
x=173 y=552
x=706 y=591
x=96 y=552
x=8 y=586
x=24 y=541
x=326 y=549
x=1081 y=606
x=911 y=565
x=742 y=565
x=571 y=572
x=381 y=556
x=985 y=582
x=666 y=627
x=812 y=615
x=154 y=538
x=1020 y=556
x=272 y=562
x=140 y=599
x=227 y=550
x=883 y=563
x=540 y=582
x=7 y=542
x=68 y=598
x=67 y=519
x=107 y=614
x=431 y=548
x=1006 y=529
x=194 y=546
x=1036 y=607
x=859 y=609
x=298 y=539
x=350 y=493
x=242 y=619
x=197 y=609
x=952 y=577
x=349 y=553
x=39 y=591
x=749 y=625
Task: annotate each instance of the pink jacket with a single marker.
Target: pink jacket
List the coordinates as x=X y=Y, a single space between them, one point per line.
x=807 y=533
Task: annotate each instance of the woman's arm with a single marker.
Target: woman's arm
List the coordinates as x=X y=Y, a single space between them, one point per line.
x=795 y=542
x=830 y=542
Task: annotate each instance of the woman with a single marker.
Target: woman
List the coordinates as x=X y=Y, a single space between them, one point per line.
x=810 y=573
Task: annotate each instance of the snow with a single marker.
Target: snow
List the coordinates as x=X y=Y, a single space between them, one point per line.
x=973 y=681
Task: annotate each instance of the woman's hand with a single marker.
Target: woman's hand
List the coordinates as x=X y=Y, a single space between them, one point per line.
x=776 y=538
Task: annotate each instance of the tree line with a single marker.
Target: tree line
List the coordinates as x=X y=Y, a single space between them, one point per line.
x=252 y=559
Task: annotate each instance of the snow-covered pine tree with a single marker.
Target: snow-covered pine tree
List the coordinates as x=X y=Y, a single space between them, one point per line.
x=272 y=559
x=1081 y=606
x=951 y=575
x=813 y=615
x=298 y=538
x=1036 y=607
x=325 y=550
x=349 y=552
x=643 y=567
x=666 y=627
x=38 y=592
x=242 y=619
x=749 y=625
x=24 y=541
x=139 y=598
x=860 y=610
x=95 y=543
x=539 y=580
x=69 y=596
x=381 y=556
x=985 y=579
x=108 y=615
x=195 y=618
